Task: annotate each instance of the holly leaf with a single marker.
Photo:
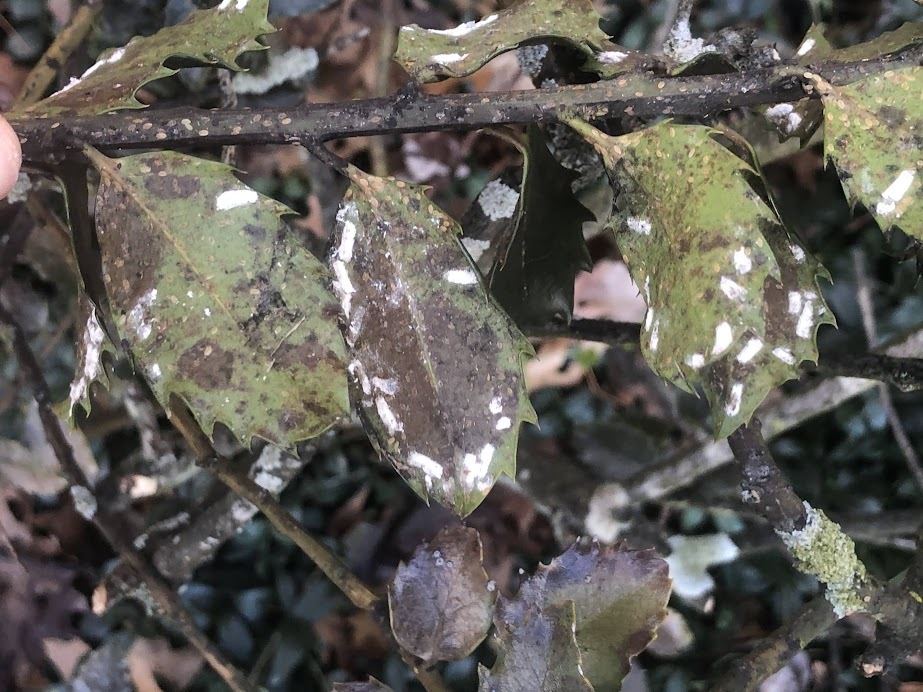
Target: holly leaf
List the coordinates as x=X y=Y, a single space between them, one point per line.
x=733 y=302
x=533 y=275
x=815 y=48
x=435 y=364
x=873 y=129
x=433 y=54
x=217 y=36
x=441 y=602
x=90 y=368
x=217 y=301
x=538 y=652
x=618 y=596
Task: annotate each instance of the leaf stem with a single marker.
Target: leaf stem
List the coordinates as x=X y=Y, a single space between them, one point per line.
x=328 y=562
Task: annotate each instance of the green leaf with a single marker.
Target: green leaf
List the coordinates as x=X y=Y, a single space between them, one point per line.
x=217 y=301
x=432 y=54
x=441 y=602
x=815 y=48
x=538 y=652
x=436 y=365
x=873 y=132
x=619 y=597
x=533 y=275
x=212 y=37
x=733 y=302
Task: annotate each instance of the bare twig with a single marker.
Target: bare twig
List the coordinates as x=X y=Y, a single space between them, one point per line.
x=162 y=592
x=643 y=94
x=57 y=54
x=866 y=309
x=329 y=563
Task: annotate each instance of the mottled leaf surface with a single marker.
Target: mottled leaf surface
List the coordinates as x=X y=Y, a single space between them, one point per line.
x=90 y=367
x=441 y=602
x=217 y=36
x=619 y=598
x=544 y=249
x=815 y=48
x=733 y=302
x=432 y=54
x=873 y=135
x=218 y=302
x=538 y=652
x=436 y=365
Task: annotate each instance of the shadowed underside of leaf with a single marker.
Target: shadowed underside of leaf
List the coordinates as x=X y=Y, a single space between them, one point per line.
x=533 y=276
x=432 y=54
x=733 y=302
x=441 y=601
x=216 y=36
x=619 y=597
x=539 y=652
x=873 y=134
x=218 y=303
x=436 y=366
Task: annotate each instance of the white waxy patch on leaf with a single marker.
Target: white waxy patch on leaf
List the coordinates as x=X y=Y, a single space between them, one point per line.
x=805 y=47
x=785 y=117
x=695 y=360
x=655 y=335
x=138 y=320
x=795 y=302
x=732 y=408
x=742 y=262
x=784 y=354
x=642 y=226
x=610 y=57
x=385 y=386
x=503 y=423
x=732 y=289
x=496 y=405
x=463 y=29
x=724 y=336
x=475 y=247
x=463 y=277
x=93 y=337
x=448 y=58
x=425 y=464
x=154 y=372
x=387 y=416
x=748 y=352
x=895 y=193
x=806 y=318
x=357 y=371
x=231 y=199
x=797 y=252
x=498 y=200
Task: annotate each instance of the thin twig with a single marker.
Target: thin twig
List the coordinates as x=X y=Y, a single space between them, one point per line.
x=162 y=592
x=57 y=54
x=327 y=562
x=866 y=309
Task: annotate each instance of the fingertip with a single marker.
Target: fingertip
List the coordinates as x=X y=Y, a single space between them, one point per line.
x=10 y=157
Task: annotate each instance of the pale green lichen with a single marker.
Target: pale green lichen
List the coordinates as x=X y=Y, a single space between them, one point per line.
x=824 y=551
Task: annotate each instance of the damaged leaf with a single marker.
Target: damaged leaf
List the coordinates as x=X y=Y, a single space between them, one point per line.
x=216 y=36
x=873 y=129
x=618 y=596
x=435 y=364
x=217 y=301
x=538 y=652
x=441 y=602
x=433 y=54
x=543 y=248
x=90 y=367
x=733 y=302
x=815 y=48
